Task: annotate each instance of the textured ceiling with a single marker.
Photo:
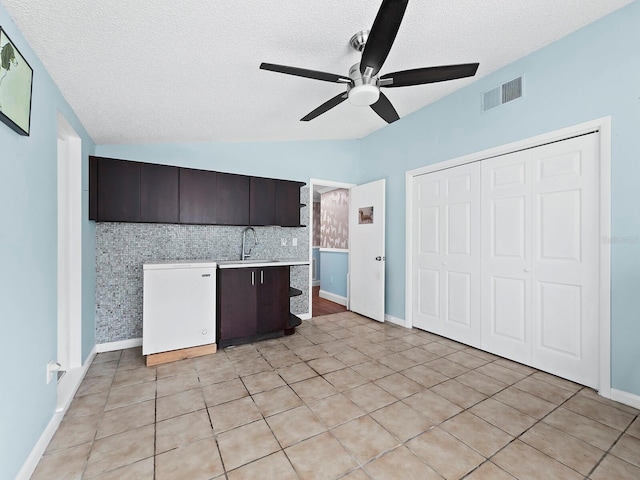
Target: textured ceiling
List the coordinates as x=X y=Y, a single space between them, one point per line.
x=157 y=71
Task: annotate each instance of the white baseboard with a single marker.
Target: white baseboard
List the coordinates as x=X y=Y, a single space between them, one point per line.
x=74 y=379
x=315 y=283
x=120 y=345
x=625 y=397
x=395 y=320
x=333 y=297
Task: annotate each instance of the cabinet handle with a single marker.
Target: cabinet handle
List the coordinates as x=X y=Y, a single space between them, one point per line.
x=253 y=278
x=261 y=277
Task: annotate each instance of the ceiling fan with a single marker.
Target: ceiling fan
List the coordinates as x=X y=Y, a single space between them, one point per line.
x=363 y=83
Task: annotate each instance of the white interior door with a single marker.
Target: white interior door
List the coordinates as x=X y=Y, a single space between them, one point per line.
x=506 y=256
x=566 y=235
x=446 y=254
x=366 y=249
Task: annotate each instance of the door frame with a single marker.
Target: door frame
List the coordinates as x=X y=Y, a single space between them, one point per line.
x=69 y=318
x=603 y=127
x=314 y=182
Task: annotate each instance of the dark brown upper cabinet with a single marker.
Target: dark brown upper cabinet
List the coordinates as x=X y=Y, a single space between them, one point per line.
x=232 y=199
x=126 y=191
x=117 y=195
x=263 y=201
x=288 y=203
x=159 y=185
x=198 y=196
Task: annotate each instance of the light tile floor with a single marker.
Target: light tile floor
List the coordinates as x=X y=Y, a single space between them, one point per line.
x=345 y=397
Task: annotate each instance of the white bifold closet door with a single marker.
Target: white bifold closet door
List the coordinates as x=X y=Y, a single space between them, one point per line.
x=540 y=257
x=446 y=253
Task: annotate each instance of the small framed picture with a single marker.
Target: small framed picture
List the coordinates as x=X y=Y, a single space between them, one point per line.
x=365 y=215
x=16 y=79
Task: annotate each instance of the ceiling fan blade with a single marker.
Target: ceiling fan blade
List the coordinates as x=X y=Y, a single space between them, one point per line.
x=385 y=110
x=326 y=106
x=420 y=76
x=303 y=72
x=382 y=34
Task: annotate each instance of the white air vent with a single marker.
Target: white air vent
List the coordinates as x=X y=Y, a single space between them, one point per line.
x=506 y=92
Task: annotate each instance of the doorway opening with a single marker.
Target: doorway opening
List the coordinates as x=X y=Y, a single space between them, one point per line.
x=329 y=247
x=69 y=348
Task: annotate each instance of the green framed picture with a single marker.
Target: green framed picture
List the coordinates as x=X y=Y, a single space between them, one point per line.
x=16 y=79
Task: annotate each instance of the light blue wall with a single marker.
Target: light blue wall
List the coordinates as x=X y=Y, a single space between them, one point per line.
x=592 y=73
x=334 y=267
x=328 y=160
x=28 y=265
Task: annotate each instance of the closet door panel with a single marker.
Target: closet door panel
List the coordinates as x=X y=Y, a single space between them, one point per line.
x=565 y=302
x=447 y=253
x=506 y=256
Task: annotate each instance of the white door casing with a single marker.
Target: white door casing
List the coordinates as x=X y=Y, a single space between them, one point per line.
x=446 y=253
x=367 y=250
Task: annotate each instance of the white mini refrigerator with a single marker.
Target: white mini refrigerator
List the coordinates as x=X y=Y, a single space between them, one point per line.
x=179 y=305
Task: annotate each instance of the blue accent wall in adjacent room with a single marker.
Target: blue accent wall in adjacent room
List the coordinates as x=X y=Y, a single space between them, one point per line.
x=334 y=266
x=592 y=73
x=29 y=262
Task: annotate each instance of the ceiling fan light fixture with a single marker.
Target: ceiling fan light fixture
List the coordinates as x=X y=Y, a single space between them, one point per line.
x=364 y=95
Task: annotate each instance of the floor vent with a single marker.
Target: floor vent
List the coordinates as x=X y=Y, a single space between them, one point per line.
x=506 y=92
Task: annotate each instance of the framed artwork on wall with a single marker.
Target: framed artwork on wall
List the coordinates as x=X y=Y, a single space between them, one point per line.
x=16 y=79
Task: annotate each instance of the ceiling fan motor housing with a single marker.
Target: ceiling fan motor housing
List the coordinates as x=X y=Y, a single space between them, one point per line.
x=364 y=91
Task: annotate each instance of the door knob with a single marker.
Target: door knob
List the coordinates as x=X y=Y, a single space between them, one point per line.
x=527 y=270
x=379 y=258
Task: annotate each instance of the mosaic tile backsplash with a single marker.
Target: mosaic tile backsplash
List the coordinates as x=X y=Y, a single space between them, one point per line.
x=122 y=249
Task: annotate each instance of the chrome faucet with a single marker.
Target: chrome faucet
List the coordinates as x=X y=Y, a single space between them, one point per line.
x=244 y=255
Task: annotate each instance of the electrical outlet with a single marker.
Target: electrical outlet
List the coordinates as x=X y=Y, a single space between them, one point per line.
x=52 y=370
x=283 y=242
x=294 y=242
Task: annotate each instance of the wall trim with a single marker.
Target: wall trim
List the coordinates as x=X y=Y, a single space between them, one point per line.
x=333 y=297
x=396 y=321
x=303 y=316
x=334 y=250
x=315 y=283
x=119 y=345
x=627 y=398
x=78 y=374
x=603 y=126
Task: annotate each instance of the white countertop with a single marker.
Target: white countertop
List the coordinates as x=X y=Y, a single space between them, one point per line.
x=258 y=263
x=168 y=264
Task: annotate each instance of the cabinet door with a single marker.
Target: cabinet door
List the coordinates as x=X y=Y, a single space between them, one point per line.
x=118 y=186
x=263 y=201
x=287 y=203
x=232 y=199
x=158 y=193
x=273 y=298
x=198 y=189
x=237 y=302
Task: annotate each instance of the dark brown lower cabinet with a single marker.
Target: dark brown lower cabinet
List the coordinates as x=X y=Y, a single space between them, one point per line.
x=253 y=303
